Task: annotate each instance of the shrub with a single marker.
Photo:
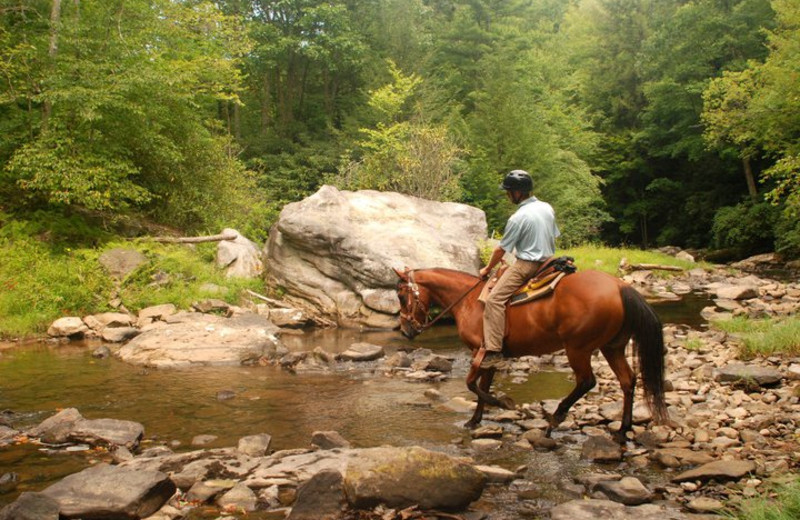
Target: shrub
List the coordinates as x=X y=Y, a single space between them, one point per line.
x=747 y=228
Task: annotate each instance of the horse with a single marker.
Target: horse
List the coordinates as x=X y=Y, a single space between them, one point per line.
x=587 y=311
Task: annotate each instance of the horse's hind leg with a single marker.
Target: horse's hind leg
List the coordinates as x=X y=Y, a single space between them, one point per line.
x=581 y=363
x=614 y=353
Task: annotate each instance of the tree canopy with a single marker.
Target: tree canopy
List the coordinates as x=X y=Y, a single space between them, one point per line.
x=645 y=122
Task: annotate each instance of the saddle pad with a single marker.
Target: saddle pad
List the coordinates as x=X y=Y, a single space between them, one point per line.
x=537 y=288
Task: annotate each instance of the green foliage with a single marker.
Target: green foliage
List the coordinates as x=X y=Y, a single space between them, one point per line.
x=764 y=337
x=782 y=503
x=747 y=228
x=607 y=259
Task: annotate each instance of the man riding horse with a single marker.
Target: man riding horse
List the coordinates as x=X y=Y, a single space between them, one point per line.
x=531 y=235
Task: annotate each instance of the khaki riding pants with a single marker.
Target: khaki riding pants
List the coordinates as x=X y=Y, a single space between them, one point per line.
x=494 y=314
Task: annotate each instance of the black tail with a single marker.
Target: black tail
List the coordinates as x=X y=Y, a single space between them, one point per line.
x=648 y=337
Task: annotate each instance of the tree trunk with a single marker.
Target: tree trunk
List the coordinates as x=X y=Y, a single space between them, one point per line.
x=751 y=181
x=55 y=21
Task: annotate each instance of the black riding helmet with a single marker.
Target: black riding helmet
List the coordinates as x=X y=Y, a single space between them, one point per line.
x=517 y=180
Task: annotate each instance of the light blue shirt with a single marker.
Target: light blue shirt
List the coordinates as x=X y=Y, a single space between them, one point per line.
x=531 y=231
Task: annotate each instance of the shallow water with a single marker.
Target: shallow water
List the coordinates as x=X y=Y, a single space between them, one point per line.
x=368 y=407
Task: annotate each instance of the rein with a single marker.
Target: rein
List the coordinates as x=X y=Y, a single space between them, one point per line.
x=429 y=323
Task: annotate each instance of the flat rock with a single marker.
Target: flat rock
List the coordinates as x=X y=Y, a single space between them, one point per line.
x=112 y=432
x=120 y=262
x=362 y=352
x=718 y=470
x=594 y=509
x=111 y=492
x=31 y=506
x=628 y=490
x=322 y=497
x=733 y=372
x=601 y=449
x=203 y=340
x=68 y=327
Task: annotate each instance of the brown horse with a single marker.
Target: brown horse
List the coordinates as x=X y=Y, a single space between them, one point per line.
x=588 y=310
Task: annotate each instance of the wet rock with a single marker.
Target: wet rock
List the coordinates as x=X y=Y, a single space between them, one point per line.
x=322 y=497
x=254 y=445
x=718 y=470
x=677 y=457
x=113 y=432
x=118 y=334
x=206 y=490
x=328 y=440
x=238 y=497
x=7 y=435
x=110 y=492
x=225 y=395
x=628 y=490
x=202 y=440
x=56 y=428
x=601 y=449
x=487 y=432
x=735 y=372
x=434 y=364
x=69 y=327
x=404 y=477
x=31 y=506
x=592 y=509
x=102 y=352
x=8 y=482
x=362 y=352
x=496 y=474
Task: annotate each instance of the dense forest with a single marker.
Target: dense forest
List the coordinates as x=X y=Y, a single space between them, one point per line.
x=644 y=122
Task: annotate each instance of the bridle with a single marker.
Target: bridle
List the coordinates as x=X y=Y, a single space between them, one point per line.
x=414 y=304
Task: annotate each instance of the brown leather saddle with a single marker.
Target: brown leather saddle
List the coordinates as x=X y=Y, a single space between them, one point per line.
x=541 y=284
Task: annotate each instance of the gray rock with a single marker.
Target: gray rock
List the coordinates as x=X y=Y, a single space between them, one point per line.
x=601 y=449
x=120 y=262
x=204 y=491
x=433 y=363
x=681 y=457
x=321 y=497
x=291 y=318
x=202 y=440
x=203 y=340
x=254 y=445
x=69 y=327
x=238 y=497
x=628 y=490
x=211 y=305
x=735 y=372
x=362 y=352
x=496 y=474
x=333 y=252
x=718 y=470
x=594 y=509
x=118 y=334
x=111 y=492
x=8 y=482
x=31 y=506
x=98 y=322
x=113 y=432
x=56 y=428
x=403 y=477
x=328 y=440
x=239 y=257
x=737 y=292
x=157 y=312
x=7 y=435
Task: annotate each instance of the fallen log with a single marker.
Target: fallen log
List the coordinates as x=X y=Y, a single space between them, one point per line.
x=650 y=267
x=194 y=240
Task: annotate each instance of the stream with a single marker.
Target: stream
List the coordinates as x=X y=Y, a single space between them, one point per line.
x=366 y=406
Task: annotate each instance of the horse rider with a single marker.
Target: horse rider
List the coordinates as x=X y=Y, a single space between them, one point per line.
x=530 y=234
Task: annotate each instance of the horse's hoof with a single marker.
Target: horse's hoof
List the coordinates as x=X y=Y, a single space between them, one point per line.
x=471 y=425
x=620 y=438
x=548 y=432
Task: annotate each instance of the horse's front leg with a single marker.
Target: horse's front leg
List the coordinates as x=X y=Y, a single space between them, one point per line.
x=481 y=382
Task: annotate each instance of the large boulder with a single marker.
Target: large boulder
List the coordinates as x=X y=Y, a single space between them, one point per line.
x=203 y=339
x=333 y=252
x=239 y=257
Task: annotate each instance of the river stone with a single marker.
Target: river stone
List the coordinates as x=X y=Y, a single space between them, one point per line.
x=718 y=470
x=111 y=493
x=108 y=319
x=203 y=340
x=31 y=506
x=593 y=509
x=69 y=327
x=121 y=262
x=334 y=251
x=676 y=457
x=496 y=474
x=254 y=445
x=239 y=257
x=362 y=352
x=737 y=292
x=599 y=448
x=291 y=318
x=7 y=435
x=112 y=432
x=628 y=490
x=734 y=372
x=238 y=497
x=404 y=477
x=433 y=363
x=329 y=440
x=118 y=334
x=205 y=490
x=157 y=312
x=705 y=505
x=56 y=428
x=321 y=497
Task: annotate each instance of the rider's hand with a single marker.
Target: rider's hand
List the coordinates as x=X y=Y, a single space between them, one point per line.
x=484 y=272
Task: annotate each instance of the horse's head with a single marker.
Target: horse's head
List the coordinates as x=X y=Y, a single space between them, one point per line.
x=414 y=304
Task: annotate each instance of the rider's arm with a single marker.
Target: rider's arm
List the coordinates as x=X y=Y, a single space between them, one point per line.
x=497 y=255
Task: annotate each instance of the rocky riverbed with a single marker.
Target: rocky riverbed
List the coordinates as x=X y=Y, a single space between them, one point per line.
x=734 y=430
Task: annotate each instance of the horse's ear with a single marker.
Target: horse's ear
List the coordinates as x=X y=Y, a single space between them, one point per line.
x=403 y=275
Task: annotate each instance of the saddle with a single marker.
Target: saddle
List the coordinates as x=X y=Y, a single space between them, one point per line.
x=542 y=283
